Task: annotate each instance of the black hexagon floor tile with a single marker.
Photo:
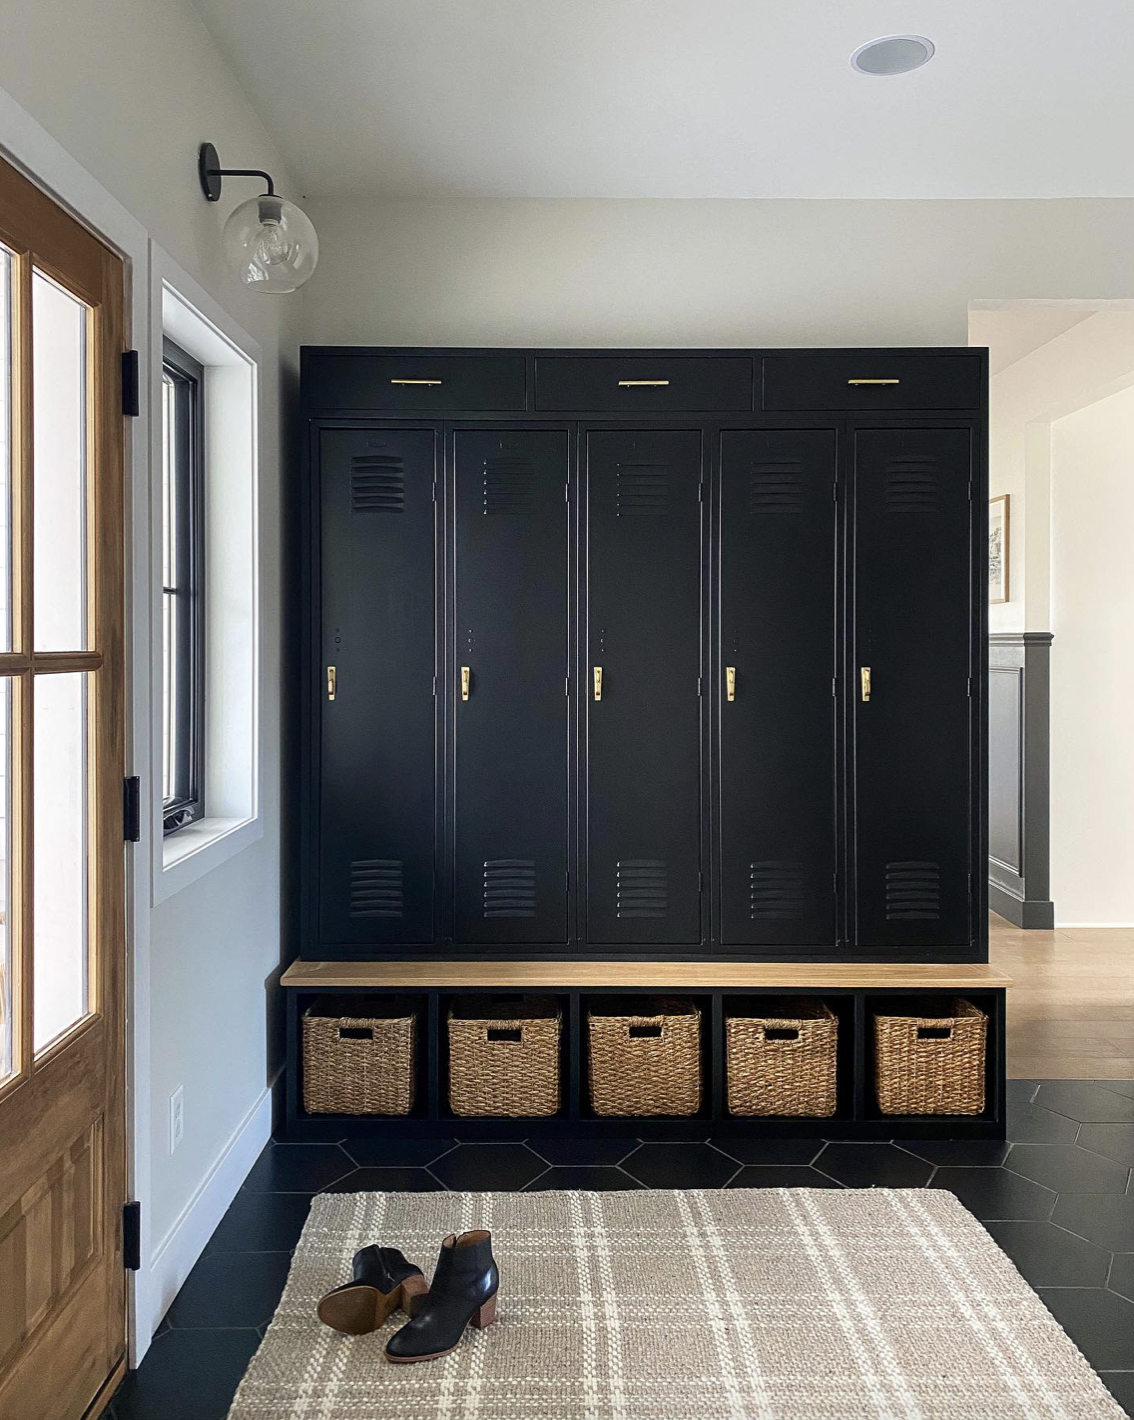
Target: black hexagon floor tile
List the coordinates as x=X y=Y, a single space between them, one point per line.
x=261 y=1222
x=231 y=1289
x=387 y=1181
x=589 y=1178
x=581 y=1151
x=187 y=1375
x=1121 y=1087
x=383 y=1153
x=1121 y=1386
x=1100 y=1218
x=968 y=1153
x=1065 y=1168
x=1020 y=1091
x=1085 y=1101
x=860 y=1165
x=1032 y=1124
x=997 y=1195
x=1048 y=1256
x=1122 y=1275
x=1100 y=1323
x=751 y=1149
x=297 y=1168
x=679 y=1165
x=781 y=1176
x=1113 y=1141
x=482 y=1168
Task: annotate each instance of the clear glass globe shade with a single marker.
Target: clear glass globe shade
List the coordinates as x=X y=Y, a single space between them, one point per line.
x=271 y=244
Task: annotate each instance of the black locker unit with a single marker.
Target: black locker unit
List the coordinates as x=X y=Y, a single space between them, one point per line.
x=642 y=670
x=510 y=685
x=776 y=691
x=375 y=686
x=797 y=516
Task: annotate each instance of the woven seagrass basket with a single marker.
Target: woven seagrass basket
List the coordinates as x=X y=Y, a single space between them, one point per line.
x=931 y=1063
x=781 y=1059
x=647 y=1063
x=504 y=1056
x=358 y=1056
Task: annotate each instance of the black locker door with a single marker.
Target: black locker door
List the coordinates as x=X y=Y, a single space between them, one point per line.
x=912 y=736
x=510 y=765
x=643 y=724
x=377 y=733
x=775 y=698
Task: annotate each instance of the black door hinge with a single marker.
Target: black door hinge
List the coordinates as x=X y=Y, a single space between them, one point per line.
x=131 y=385
x=132 y=1236
x=132 y=809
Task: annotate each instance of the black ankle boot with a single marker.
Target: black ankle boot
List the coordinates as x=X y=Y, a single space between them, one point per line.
x=383 y=1280
x=463 y=1290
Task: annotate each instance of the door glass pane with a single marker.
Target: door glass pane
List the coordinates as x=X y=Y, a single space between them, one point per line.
x=59 y=374
x=6 y=1022
x=60 y=894
x=5 y=449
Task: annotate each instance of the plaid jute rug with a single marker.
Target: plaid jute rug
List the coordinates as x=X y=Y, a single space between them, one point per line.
x=746 y=1304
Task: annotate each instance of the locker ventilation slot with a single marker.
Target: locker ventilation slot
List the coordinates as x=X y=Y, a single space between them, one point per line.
x=642 y=888
x=776 y=891
x=376 y=887
x=642 y=490
x=509 y=487
x=913 y=892
x=509 y=887
x=377 y=484
x=776 y=487
x=911 y=486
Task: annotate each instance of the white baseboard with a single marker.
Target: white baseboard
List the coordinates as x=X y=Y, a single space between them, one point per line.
x=173 y=1257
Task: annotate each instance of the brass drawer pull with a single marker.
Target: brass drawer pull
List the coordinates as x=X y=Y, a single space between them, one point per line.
x=730 y=682
x=466 y=678
x=874 y=382
x=331 y=682
x=641 y=384
x=415 y=382
x=598 y=682
x=865 y=674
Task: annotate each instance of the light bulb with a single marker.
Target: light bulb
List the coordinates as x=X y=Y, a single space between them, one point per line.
x=271 y=244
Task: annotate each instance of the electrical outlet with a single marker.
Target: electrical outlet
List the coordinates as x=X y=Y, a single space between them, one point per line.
x=176 y=1118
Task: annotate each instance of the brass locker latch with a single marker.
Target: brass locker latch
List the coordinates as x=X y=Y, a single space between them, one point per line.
x=730 y=682
x=330 y=682
x=865 y=674
x=466 y=677
x=598 y=682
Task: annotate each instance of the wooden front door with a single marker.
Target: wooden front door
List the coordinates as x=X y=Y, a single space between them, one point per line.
x=62 y=934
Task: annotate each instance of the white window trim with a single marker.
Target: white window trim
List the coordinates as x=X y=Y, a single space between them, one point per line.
x=183 y=310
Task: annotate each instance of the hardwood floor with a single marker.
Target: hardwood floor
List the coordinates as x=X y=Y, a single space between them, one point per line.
x=1071 y=1005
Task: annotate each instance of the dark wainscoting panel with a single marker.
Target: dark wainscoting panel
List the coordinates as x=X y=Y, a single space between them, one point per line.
x=1018 y=788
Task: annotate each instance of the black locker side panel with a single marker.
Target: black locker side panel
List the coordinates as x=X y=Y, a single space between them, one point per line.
x=913 y=631
x=377 y=734
x=510 y=762
x=777 y=733
x=643 y=774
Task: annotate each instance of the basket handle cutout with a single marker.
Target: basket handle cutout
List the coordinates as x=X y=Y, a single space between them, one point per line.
x=781 y=1033
x=934 y=1032
x=645 y=1032
x=356 y=1032
x=504 y=1033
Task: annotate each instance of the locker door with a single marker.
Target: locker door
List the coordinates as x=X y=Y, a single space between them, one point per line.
x=777 y=731
x=377 y=734
x=643 y=773
x=510 y=817
x=912 y=629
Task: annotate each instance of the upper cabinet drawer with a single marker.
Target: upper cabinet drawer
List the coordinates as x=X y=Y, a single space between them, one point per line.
x=643 y=384
x=412 y=384
x=873 y=381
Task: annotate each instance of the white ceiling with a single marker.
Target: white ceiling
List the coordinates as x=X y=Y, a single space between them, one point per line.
x=688 y=98
x=1012 y=334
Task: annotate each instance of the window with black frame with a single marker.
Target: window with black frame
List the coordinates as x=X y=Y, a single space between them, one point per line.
x=182 y=593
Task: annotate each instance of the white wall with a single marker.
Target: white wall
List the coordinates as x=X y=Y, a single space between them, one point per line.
x=468 y=271
x=1092 y=687
x=130 y=88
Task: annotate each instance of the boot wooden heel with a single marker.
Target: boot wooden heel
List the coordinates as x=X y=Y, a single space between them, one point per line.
x=486 y=1314
x=414 y=1292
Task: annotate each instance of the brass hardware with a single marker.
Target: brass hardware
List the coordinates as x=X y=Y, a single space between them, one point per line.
x=415 y=382
x=598 y=682
x=330 y=682
x=865 y=674
x=730 y=682
x=466 y=677
x=641 y=384
x=874 y=382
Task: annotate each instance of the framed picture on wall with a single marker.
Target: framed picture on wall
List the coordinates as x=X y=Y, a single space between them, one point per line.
x=998 y=549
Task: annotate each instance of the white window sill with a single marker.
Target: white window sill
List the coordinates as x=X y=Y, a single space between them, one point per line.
x=200 y=847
